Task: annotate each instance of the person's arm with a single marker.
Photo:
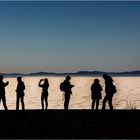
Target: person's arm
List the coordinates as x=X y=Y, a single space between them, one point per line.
x=23 y=86
x=40 y=83
x=101 y=88
x=48 y=85
x=6 y=84
x=71 y=85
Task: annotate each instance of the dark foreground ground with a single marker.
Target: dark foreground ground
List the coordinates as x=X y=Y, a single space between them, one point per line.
x=80 y=124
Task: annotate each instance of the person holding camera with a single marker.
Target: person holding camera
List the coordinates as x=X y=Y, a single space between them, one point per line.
x=44 y=95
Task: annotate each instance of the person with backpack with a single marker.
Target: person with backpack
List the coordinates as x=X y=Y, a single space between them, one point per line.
x=20 y=93
x=44 y=95
x=66 y=87
x=110 y=90
x=2 y=92
x=96 y=93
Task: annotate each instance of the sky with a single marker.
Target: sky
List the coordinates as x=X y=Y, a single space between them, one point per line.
x=68 y=36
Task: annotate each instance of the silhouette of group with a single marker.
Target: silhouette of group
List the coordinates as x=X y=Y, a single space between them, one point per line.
x=96 y=95
x=66 y=88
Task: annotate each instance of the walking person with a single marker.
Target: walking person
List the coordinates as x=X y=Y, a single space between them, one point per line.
x=20 y=93
x=44 y=95
x=96 y=93
x=110 y=90
x=66 y=87
x=2 y=92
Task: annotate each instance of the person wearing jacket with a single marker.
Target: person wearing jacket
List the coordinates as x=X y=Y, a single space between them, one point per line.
x=96 y=93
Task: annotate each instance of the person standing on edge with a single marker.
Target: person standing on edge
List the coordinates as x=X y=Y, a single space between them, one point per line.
x=44 y=95
x=67 y=90
x=2 y=91
x=20 y=93
x=110 y=90
x=96 y=93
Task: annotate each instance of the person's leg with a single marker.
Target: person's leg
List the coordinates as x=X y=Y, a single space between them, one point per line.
x=97 y=104
x=22 y=102
x=93 y=103
x=46 y=102
x=104 y=102
x=110 y=102
x=42 y=101
x=65 y=102
x=4 y=102
x=0 y=99
x=67 y=99
x=17 y=103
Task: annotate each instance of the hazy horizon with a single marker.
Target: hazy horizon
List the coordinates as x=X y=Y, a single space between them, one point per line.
x=76 y=73
x=69 y=36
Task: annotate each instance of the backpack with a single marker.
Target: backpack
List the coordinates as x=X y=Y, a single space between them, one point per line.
x=62 y=86
x=114 y=90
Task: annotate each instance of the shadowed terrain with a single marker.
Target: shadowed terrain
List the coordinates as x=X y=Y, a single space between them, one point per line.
x=70 y=124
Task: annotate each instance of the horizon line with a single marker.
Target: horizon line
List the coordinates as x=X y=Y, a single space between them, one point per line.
x=51 y=72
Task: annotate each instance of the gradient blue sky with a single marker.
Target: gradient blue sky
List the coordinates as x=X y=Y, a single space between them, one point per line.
x=69 y=36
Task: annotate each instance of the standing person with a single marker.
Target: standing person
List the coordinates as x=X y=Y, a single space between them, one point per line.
x=20 y=93
x=67 y=86
x=2 y=91
x=44 y=95
x=110 y=90
x=96 y=93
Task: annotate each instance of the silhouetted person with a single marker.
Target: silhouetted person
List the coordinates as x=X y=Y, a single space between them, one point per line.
x=110 y=89
x=44 y=95
x=96 y=93
x=20 y=93
x=2 y=91
x=67 y=91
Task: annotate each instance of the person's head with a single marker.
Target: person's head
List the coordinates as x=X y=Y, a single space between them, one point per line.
x=45 y=80
x=1 y=77
x=96 y=81
x=105 y=76
x=19 y=78
x=68 y=78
